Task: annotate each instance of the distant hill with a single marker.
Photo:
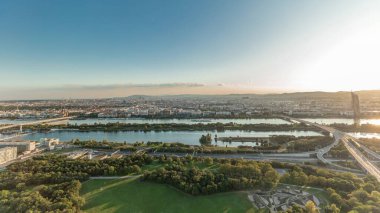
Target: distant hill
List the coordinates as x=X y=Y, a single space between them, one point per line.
x=363 y=95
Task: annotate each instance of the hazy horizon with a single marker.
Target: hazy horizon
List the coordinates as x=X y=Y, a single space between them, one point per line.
x=120 y=91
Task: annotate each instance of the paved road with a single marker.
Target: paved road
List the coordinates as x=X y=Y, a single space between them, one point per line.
x=113 y=177
x=321 y=152
x=363 y=161
x=364 y=148
x=35 y=122
x=13 y=136
x=367 y=165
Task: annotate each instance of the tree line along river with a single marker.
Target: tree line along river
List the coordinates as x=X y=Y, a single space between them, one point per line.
x=326 y=121
x=186 y=137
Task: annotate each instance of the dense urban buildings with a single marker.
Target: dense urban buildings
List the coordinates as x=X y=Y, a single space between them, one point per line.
x=316 y=104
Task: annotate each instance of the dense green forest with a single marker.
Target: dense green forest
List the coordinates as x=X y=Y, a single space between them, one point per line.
x=51 y=183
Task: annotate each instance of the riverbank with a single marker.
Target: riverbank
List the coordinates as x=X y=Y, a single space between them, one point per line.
x=220 y=127
x=275 y=144
x=364 y=128
x=186 y=137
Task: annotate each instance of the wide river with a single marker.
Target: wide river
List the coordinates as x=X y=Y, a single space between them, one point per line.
x=194 y=121
x=326 y=121
x=160 y=121
x=329 y=121
x=186 y=137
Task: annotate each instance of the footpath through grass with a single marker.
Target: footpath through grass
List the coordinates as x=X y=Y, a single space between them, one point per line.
x=131 y=195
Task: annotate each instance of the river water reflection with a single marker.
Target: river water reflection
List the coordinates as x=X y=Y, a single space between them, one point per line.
x=365 y=135
x=326 y=121
x=329 y=121
x=186 y=137
x=159 y=121
x=180 y=121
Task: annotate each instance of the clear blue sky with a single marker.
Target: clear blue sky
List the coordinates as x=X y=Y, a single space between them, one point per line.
x=247 y=43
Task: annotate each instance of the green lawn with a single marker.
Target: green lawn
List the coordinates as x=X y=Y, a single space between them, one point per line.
x=131 y=195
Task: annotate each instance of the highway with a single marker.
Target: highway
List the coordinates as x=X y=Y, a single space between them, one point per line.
x=364 y=148
x=13 y=136
x=321 y=152
x=363 y=161
x=35 y=122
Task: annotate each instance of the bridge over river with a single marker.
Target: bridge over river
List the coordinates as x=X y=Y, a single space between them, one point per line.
x=51 y=120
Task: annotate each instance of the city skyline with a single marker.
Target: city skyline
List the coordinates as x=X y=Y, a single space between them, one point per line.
x=70 y=49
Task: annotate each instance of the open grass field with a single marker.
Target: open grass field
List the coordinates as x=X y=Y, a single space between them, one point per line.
x=131 y=195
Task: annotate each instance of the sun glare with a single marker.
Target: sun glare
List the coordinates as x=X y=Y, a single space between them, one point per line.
x=351 y=64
